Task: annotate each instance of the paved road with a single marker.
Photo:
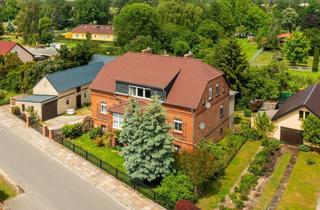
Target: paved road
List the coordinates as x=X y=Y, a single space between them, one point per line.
x=47 y=183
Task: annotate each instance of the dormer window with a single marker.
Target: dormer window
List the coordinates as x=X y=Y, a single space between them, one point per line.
x=139 y=92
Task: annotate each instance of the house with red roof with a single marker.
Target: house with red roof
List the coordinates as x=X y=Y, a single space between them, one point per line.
x=12 y=47
x=98 y=32
x=195 y=95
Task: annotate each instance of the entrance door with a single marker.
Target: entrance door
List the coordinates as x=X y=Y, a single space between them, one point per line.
x=291 y=136
x=78 y=101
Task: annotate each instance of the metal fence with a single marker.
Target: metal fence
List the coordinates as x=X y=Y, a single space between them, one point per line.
x=120 y=175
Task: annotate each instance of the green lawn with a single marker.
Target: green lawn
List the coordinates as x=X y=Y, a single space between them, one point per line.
x=232 y=174
x=250 y=48
x=6 y=191
x=303 y=188
x=108 y=155
x=72 y=43
x=274 y=181
x=264 y=58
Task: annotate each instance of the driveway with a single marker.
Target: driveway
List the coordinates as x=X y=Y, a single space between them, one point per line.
x=59 y=121
x=48 y=184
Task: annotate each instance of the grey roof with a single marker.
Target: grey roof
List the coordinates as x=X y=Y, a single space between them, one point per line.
x=102 y=58
x=309 y=97
x=48 y=51
x=37 y=98
x=74 y=77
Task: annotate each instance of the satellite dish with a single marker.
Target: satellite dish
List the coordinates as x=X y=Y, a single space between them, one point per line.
x=208 y=105
x=202 y=126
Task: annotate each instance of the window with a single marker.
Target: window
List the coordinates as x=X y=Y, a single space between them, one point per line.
x=178 y=125
x=67 y=101
x=23 y=107
x=85 y=95
x=221 y=130
x=210 y=93
x=218 y=88
x=117 y=121
x=139 y=92
x=221 y=111
x=303 y=114
x=103 y=107
x=78 y=89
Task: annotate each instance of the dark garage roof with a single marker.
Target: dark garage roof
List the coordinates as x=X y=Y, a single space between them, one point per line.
x=309 y=98
x=37 y=98
x=74 y=77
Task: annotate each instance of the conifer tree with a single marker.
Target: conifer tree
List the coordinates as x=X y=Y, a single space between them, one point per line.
x=148 y=151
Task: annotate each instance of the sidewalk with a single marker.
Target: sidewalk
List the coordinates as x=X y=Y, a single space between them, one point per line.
x=103 y=181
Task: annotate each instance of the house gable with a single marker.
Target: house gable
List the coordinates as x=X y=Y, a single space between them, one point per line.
x=44 y=87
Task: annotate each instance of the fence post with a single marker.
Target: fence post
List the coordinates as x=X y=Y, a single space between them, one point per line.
x=100 y=163
x=86 y=154
x=116 y=173
x=62 y=141
x=73 y=147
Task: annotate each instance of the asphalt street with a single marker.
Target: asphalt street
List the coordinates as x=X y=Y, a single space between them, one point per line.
x=48 y=185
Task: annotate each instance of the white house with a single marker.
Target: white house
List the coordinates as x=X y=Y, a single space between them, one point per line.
x=289 y=117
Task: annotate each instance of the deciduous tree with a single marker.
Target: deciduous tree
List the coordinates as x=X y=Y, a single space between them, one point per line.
x=311 y=129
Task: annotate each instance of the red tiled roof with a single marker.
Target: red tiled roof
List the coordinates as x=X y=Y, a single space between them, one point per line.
x=5 y=47
x=309 y=97
x=93 y=29
x=283 y=35
x=192 y=76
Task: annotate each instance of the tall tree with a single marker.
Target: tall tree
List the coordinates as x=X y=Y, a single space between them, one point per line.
x=289 y=19
x=9 y=10
x=27 y=20
x=229 y=58
x=297 y=47
x=183 y=14
x=45 y=30
x=148 y=154
x=92 y=11
x=315 y=64
x=137 y=19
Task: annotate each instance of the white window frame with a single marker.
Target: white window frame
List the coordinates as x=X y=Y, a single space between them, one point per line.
x=103 y=107
x=178 y=121
x=117 y=121
x=218 y=88
x=221 y=115
x=135 y=94
x=210 y=93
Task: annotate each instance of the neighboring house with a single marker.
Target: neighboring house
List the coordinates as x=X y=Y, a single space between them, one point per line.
x=59 y=91
x=12 y=47
x=98 y=32
x=195 y=95
x=43 y=53
x=289 y=117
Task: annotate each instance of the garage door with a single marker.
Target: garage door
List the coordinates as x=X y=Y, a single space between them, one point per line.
x=291 y=136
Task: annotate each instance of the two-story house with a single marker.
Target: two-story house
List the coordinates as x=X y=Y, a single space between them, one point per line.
x=195 y=95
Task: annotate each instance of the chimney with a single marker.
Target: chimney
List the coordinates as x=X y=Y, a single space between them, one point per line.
x=188 y=55
x=147 y=51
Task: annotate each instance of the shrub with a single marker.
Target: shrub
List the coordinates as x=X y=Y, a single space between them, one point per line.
x=72 y=131
x=304 y=148
x=237 y=120
x=271 y=144
x=16 y=110
x=248 y=181
x=185 y=205
x=174 y=188
x=3 y=94
x=95 y=132
x=247 y=113
x=250 y=133
x=310 y=162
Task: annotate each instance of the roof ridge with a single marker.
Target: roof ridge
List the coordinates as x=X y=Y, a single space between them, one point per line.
x=309 y=95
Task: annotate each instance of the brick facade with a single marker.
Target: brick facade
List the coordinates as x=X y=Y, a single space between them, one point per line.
x=215 y=125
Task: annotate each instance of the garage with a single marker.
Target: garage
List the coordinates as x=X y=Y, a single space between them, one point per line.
x=291 y=136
